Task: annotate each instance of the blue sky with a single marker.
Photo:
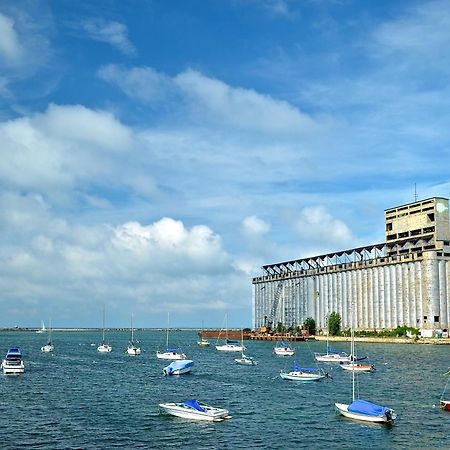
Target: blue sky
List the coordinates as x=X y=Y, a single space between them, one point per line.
x=155 y=154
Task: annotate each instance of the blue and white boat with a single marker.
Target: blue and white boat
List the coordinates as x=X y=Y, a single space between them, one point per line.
x=332 y=356
x=194 y=410
x=178 y=367
x=13 y=363
x=366 y=411
x=170 y=353
x=283 y=349
x=304 y=374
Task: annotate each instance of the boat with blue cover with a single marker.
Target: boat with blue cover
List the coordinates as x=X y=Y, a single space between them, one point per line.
x=366 y=411
x=170 y=353
x=361 y=409
x=178 y=367
x=194 y=410
x=304 y=374
x=13 y=364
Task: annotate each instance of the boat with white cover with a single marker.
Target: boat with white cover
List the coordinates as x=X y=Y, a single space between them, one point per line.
x=304 y=374
x=358 y=367
x=13 y=364
x=332 y=356
x=193 y=410
x=283 y=349
x=179 y=367
x=244 y=359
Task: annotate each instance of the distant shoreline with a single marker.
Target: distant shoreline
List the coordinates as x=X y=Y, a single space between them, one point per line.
x=387 y=340
x=36 y=330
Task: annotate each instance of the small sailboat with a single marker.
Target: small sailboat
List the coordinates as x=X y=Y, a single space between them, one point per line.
x=194 y=410
x=444 y=401
x=13 y=364
x=244 y=359
x=179 y=367
x=361 y=409
x=42 y=329
x=283 y=349
x=104 y=347
x=133 y=349
x=304 y=374
x=355 y=364
x=202 y=342
x=170 y=353
x=48 y=347
x=230 y=345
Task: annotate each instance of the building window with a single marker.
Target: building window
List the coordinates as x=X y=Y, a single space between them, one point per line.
x=425 y=319
x=436 y=319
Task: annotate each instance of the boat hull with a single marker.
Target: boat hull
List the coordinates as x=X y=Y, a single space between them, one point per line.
x=170 y=356
x=47 y=348
x=246 y=361
x=133 y=351
x=283 y=351
x=13 y=368
x=104 y=348
x=358 y=367
x=230 y=348
x=343 y=409
x=304 y=377
x=211 y=414
x=331 y=358
x=445 y=405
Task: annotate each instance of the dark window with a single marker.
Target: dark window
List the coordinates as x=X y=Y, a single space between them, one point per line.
x=436 y=319
x=430 y=217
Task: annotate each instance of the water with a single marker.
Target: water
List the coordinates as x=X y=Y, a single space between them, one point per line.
x=77 y=398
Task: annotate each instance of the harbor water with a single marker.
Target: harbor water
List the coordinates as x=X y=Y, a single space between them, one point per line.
x=76 y=398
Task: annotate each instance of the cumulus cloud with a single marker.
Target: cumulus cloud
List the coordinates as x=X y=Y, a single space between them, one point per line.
x=110 y=32
x=255 y=225
x=318 y=229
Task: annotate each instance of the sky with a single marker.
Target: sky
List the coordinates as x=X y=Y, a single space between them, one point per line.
x=156 y=153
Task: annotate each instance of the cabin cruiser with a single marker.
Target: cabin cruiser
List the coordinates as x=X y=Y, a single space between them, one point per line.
x=13 y=363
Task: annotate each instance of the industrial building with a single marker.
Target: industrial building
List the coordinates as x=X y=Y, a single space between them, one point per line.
x=403 y=281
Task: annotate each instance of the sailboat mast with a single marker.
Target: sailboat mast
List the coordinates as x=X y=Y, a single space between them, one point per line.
x=167 y=331
x=132 y=334
x=103 y=332
x=352 y=351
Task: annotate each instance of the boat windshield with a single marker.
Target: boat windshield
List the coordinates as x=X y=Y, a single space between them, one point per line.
x=194 y=404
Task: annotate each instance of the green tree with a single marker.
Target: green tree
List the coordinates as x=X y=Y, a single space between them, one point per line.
x=280 y=327
x=334 y=324
x=310 y=325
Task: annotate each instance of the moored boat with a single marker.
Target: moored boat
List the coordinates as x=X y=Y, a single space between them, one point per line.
x=366 y=411
x=304 y=374
x=445 y=405
x=133 y=349
x=194 y=410
x=332 y=356
x=283 y=349
x=179 y=367
x=104 y=347
x=13 y=364
x=170 y=354
x=358 y=367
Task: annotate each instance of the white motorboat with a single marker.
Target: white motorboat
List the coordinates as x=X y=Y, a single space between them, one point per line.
x=104 y=347
x=170 y=354
x=13 y=363
x=283 y=349
x=191 y=409
x=304 y=374
x=366 y=412
x=179 y=367
x=133 y=349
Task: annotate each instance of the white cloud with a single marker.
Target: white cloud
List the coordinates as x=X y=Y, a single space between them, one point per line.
x=255 y=225
x=141 y=83
x=10 y=48
x=318 y=229
x=110 y=32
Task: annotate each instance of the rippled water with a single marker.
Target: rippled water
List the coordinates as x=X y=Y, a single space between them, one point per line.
x=77 y=398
